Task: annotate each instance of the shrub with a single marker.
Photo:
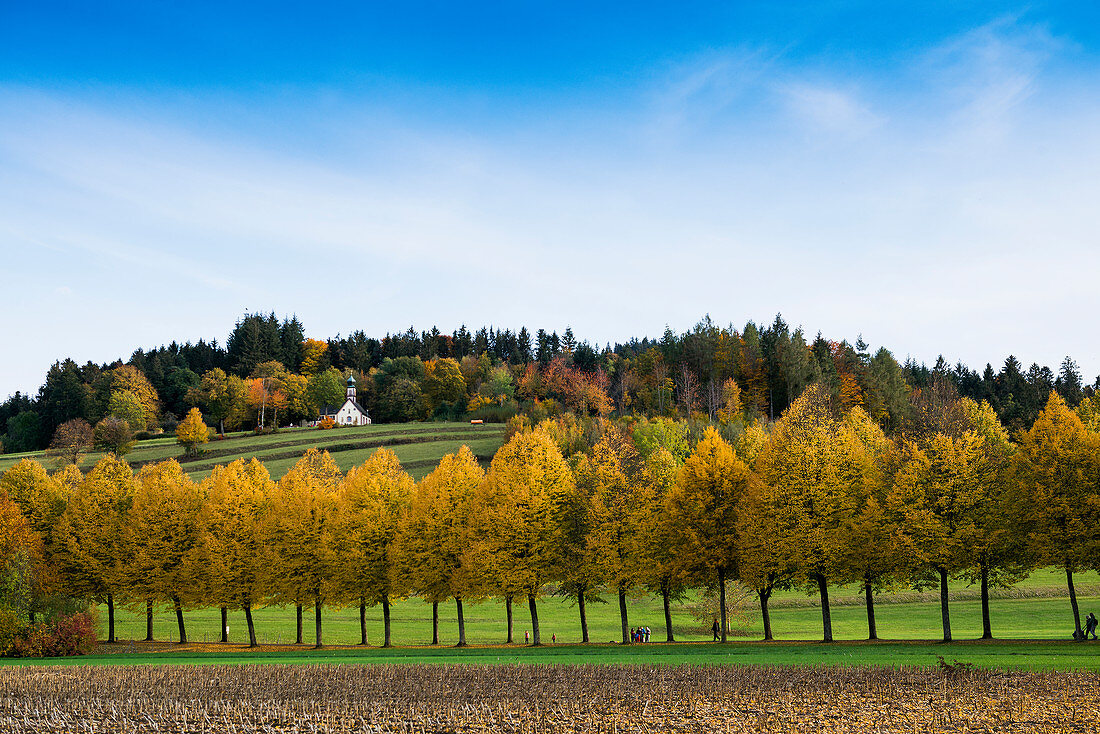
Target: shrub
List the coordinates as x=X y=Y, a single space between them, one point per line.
x=326 y=423
x=72 y=634
x=11 y=630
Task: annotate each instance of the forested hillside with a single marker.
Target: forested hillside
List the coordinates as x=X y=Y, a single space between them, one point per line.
x=268 y=371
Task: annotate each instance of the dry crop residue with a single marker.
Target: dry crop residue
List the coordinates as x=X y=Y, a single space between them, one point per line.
x=540 y=698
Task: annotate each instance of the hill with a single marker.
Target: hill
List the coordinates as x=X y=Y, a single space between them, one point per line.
x=419 y=446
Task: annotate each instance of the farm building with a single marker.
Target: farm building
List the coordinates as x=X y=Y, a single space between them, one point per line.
x=351 y=413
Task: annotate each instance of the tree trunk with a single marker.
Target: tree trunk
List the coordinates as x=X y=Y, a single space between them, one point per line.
x=665 y=598
x=508 y=612
x=317 y=621
x=584 y=616
x=149 y=620
x=765 y=595
x=179 y=619
x=1072 y=603
x=362 y=621
x=622 y=615
x=111 y=618
x=225 y=624
x=826 y=613
x=251 y=626
x=945 y=612
x=298 y=639
x=535 y=639
x=386 y=619
x=872 y=628
x=461 y=623
x=987 y=626
x=435 y=623
x=722 y=599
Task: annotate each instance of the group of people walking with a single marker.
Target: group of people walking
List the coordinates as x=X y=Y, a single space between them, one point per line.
x=639 y=634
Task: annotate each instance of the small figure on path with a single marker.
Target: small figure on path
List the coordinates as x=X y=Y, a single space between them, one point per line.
x=1090 y=626
x=526 y=637
x=554 y=638
x=716 y=630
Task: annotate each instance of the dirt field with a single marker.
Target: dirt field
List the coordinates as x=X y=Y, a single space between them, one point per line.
x=533 y=698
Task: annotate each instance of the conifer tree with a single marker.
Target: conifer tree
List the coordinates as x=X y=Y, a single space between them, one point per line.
x=371 y=505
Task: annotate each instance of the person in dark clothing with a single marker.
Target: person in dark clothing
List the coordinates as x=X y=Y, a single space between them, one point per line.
x=716 y=630
x=1090 y=626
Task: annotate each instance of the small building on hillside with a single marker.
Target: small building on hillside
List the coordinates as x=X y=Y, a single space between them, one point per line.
x=351 y=413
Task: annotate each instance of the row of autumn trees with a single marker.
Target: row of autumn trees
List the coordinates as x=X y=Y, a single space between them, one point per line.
x=819 y=498
x=494 y=373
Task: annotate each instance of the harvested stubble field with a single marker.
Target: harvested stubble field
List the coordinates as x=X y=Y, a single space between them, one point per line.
x=532 y=698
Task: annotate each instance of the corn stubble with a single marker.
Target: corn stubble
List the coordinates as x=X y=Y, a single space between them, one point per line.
x=530 y=698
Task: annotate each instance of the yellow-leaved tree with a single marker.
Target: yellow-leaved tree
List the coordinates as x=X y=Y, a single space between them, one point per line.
x=371 y=505
x=811 y=463
x=937 y=494
x=868 y=553
x=436 y=534
x=232 y=536
x=161 y=535
x=702 y=510
x=998 y=556
x=40 y=497
x=300 y=562
x=90 y=535
x=613 y=475
x=517 y=510
x=662 y=568
x=191 y=433
x=1056 y=492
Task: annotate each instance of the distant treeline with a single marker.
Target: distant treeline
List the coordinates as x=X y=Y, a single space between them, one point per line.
x=496 y=373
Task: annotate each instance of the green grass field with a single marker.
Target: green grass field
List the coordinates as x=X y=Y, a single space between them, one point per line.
x=1032 y=631
x=1065 y=656
x=419 y=446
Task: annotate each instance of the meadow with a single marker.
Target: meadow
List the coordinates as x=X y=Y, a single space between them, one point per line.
x=419 y=446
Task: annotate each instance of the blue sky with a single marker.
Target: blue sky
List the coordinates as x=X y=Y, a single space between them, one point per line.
x=925 y=176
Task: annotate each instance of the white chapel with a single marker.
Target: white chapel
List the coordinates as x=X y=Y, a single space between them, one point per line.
x=351 y=413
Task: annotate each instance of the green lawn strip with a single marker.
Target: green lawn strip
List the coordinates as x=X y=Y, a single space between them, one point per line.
x=242 y=443
x=419 y=459
x=1029 y=619
x=1005 y=655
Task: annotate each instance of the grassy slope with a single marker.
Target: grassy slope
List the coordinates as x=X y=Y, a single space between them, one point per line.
x=433 y=441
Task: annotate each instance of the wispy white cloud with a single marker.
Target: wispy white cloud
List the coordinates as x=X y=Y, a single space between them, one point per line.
x=951 y=209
